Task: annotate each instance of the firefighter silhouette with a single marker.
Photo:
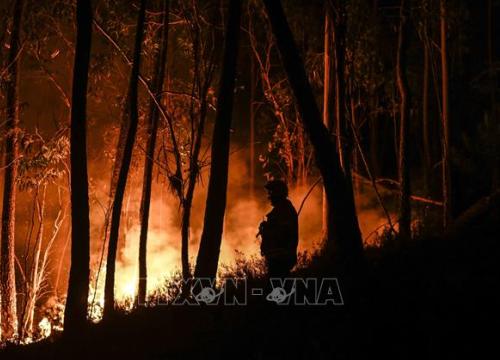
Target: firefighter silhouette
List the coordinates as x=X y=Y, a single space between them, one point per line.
x=279 y=232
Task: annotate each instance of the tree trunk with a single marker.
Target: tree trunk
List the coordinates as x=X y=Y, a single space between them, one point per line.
x=187 y=202
x=495 y=182
x=253 y=87
x=132 y=109
x=152 y=130
x=346 y=237
x=356 y=184
x=328 y=101
x=208 y=255
x=404 y=110
x=425 y=113
x=75 y=312
x=338 y=31
x=7 y=272
x=447 y=204
x=36 y=272
x=185 y=227
x=375 y=150
x=342 y=128
x=39 y=268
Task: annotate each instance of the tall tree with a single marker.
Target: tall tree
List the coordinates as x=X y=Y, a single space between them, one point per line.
x=152 y=130
x=75 y=313
x=205 y=48
x=208 y=255
x=7 y=271
x=342 y=123
x=404 y=113
x=132 y=110
x=346 y=237
x=328 y=97
x=338 y=28
x=492 y=85
x=252 y=117
x=427 y=163
x=445 y=120
x=27 y=316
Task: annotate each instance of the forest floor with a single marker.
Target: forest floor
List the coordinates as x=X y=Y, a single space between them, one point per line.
x=433 y=298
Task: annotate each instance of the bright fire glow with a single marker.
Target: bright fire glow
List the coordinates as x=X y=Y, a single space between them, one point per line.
x=243 y=215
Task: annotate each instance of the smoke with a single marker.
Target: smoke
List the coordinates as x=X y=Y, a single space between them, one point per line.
x=245 y=209
x=244 y=212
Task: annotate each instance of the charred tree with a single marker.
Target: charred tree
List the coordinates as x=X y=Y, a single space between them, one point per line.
x=208 y=255
x=132 y=110
x=75 y=312
x=404 y=113
x=345 y=239
x=152 y=130
x=7 y=272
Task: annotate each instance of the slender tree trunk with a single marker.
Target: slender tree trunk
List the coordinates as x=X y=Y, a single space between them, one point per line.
x=208 y=255
x=328 y=100
x=425 y=112
x=346 y=237
x=158 y=80
x=177 y=181
x=27 y=269
x=120 y=149
x=355 y=135
x=344 y=133
x=39 y=271
x=115 y=174
x=61 y=260
x=404 y=110
x=75 y=312
x=338 y=31
x=447 y=203
x=187 y=202
x=301 y=168
x=185 y=227
x=495 y=183
x=253 y=88
x=36 y=271
x=132 y=102
x=7 y=247
x=337 y=26
x=375 y=150
x=3 y=33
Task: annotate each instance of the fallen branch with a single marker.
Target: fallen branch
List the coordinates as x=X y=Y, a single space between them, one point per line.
x=412 y=197
x=479 y=209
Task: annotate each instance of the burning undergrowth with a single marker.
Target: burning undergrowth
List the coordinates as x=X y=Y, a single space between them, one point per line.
x=240 y=250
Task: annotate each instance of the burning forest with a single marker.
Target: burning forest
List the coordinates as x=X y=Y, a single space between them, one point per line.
x=323 y=172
